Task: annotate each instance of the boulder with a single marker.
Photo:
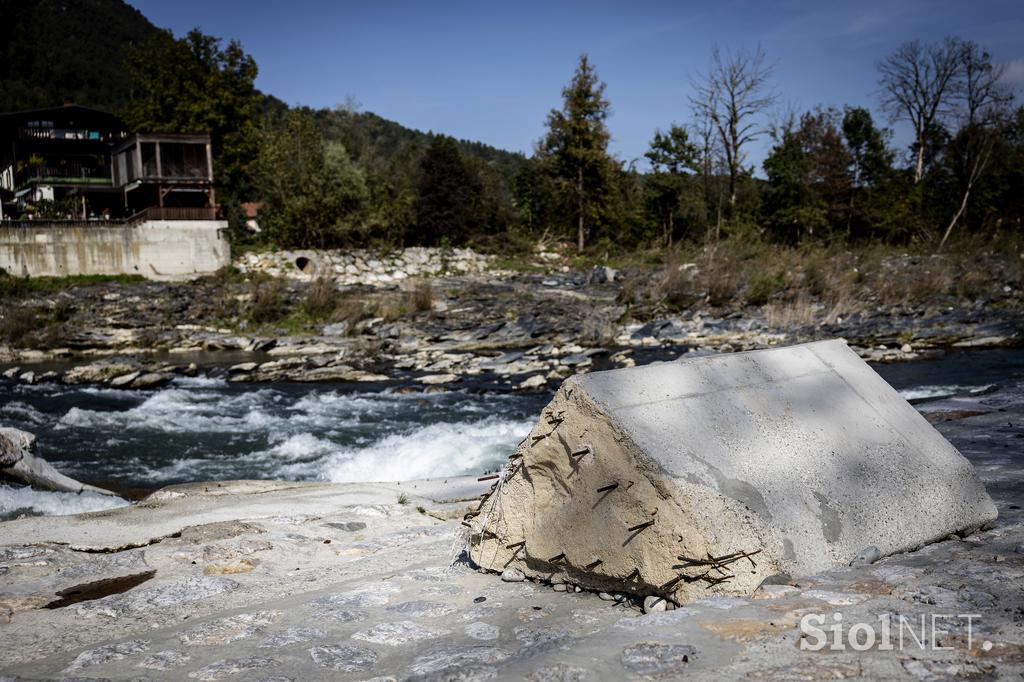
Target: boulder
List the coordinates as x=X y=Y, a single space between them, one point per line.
x=18 y=460
x=711 y=474
x=125 y=380
x=98 y=372
x=151 y=380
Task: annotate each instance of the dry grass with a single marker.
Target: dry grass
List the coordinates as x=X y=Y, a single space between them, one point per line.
x=18 y=323
x=421 y=296
x=267 y=303
x=322 y=298
x=815 y=284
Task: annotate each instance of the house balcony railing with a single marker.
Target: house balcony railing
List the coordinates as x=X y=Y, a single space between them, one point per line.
x=178 y=213
x=70 y=134
x=64 y=174
x=153 y=213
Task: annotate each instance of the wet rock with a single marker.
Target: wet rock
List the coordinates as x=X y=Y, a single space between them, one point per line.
x=538 y=638
x=653 y=658
x=533 y=383
x=151 y=380
x=423 y=609
x=296 y=635
x=230 y=629
x=434 y=379
x=165 y=660
x=559 y=672
x=97 y=373
x=125 y=380
x=835 y=598
x=350 y=526
x=482 y=631
x=232 y=666
x=376 y=594
x=243 y=367
x=346 y=659
x=453 y=658
x=935 y=595
x=512 y=575
x=397 y=633
x=935 y=671
x=657 y=619
x=107 y=653
x=142 y=600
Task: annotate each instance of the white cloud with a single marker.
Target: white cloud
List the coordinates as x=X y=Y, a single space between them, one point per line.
x=1014 y=74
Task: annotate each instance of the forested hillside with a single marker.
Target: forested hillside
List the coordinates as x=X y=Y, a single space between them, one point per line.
x=339 y=177
x=52 y=50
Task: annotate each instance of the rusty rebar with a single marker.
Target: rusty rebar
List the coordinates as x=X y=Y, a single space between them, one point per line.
x=641 y=526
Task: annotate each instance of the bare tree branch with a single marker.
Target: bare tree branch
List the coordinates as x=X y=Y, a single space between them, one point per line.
x=731 y=96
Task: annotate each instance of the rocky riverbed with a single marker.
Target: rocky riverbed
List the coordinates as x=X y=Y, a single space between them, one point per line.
x=445 y=316
x=274 y=580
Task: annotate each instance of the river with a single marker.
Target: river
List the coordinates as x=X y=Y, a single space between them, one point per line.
x=207 y=429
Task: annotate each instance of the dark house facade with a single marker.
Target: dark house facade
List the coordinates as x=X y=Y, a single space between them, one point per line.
x=77 y=163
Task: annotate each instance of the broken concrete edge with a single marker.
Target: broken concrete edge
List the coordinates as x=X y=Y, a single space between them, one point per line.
x=496 y=535
x=21 y=463
x=665 y=518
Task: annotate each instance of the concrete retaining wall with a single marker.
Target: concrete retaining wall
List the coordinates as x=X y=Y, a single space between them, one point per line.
x=157 y=249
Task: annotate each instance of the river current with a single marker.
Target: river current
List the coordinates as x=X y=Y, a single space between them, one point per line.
x=207 y=429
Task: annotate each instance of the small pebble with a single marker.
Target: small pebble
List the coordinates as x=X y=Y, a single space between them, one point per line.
x=512 y=575
x=606 y=597
x=654 y=603
x=559 y=587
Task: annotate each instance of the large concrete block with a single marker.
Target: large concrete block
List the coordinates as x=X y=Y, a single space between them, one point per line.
x=710 y=474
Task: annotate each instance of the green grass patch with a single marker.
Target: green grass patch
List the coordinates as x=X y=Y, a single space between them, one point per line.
x=20 y=287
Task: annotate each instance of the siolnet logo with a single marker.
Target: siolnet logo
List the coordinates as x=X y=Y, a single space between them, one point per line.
x=890 y=632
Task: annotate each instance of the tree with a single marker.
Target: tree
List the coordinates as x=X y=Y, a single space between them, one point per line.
x=449 y=204
x=983 y=109
x=575 y=148
x=918 y=83
x=670 y=154
x=194 y=85
x=313 y=195
x=731 y=96
x=871 y=167
x=809 y=177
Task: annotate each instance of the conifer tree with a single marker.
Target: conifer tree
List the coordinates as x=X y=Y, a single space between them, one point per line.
x=575 y=149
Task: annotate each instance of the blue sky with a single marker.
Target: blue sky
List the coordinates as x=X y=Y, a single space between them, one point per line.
x=491 y=71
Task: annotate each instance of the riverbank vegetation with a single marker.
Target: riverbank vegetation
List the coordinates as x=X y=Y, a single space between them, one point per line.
x=342 y=177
